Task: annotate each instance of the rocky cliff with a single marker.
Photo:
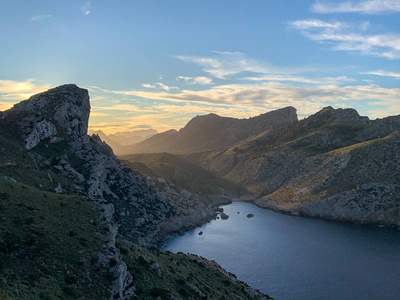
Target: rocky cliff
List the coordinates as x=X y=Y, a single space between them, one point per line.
x=211 y=132
x=334 y=164
x=59 y=158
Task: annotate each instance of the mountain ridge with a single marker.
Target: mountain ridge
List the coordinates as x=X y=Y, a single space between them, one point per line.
x=310 y=167
x=211 y=132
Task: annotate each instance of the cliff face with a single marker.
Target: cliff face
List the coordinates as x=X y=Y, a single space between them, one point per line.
x=211 y=132
x=65 y=107
x=52 y=127
x=334 y=164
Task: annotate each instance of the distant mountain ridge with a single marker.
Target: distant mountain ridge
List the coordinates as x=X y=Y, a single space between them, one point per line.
x=211 y=132
x=120 y=140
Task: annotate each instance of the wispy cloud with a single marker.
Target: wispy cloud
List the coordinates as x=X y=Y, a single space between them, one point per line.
x=317 y=24
x=383 y=73
x=224 y=64
x=196 y=80
x=273 y=95
x=87 y=8
x=363 y=7
x=19 y=90
x=159 y=85
x=300 y=79
x=343 y=38
x=40 y=18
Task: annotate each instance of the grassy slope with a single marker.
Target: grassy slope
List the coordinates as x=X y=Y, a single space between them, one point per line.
x=178 y=272
x=49 y=244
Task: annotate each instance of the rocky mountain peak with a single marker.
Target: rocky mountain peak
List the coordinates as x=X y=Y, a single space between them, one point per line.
x=330 y=115
x=61 y=110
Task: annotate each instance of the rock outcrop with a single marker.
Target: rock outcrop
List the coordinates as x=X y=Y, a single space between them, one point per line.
x=65 y=107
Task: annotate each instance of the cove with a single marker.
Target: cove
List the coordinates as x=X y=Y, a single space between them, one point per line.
x=299 y=258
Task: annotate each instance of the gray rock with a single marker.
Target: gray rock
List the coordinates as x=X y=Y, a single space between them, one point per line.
x=7 y=178
x=224 y=216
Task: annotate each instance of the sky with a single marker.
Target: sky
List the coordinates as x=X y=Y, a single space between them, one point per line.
x=157 y=64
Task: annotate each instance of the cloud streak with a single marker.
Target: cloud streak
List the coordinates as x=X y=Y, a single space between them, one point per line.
x=19 y=90
x=363 y=7
x=342 y=37
x=383 y=73
x=159 y=85
x=201 y=80
x=224 y=64
x=39 y=18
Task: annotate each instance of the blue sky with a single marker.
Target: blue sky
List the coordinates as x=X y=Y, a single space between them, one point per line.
x=159 y=63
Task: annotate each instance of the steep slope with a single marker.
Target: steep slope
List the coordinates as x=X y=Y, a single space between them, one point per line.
x=210 y=132
x=60 y=186
x=320 y=165
x=184 y=174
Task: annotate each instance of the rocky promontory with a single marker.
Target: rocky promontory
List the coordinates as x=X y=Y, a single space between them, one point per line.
x=48 y=155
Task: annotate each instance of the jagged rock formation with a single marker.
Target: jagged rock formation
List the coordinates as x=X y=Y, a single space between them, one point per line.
x=66 y=108
x=211 y=132
x=52 y=126
x=333 y=164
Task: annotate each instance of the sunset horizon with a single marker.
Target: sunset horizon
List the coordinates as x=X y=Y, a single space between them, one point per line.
x=157 y=65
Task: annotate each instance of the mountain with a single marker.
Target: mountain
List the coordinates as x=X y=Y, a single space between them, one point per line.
x=120 y=140
x=334 y=164
x=127 y=138
x=75 y=222
x=211 y=132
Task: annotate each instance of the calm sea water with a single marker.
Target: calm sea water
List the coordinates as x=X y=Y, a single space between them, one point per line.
x=299 y=258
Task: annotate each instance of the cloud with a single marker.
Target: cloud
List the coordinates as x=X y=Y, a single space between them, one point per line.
x=19 y=90
x=363 y=7
x=299 y=79
x=342 y=37
x=273 y=95
x=315 y=23
x=98 y=114
x=123 y=107
x=39 y=18
x=196 y=80
x=383 y=73
x=5 y=105
x=225 y=64
x=87 y=8
x=160 y=85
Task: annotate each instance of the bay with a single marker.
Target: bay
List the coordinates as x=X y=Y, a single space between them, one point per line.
x=299 y=258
